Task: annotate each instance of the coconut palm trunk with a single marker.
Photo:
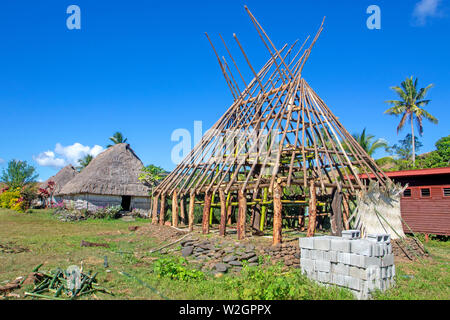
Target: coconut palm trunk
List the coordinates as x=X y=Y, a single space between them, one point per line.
x=413 y=142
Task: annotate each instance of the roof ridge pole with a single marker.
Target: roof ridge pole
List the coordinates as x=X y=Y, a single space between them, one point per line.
x=258 y=26
x=221 y=67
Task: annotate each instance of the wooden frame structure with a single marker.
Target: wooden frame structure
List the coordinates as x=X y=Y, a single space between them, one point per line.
x=277 y=133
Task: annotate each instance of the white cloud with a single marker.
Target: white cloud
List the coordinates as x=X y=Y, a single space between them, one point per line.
x=48 y=159
x=426 y=9
x=64 y=155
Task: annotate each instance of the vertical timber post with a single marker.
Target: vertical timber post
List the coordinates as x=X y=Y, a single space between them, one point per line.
x=277 y=218
x=211 y=211
x=191 y=211
x=155 y=210
x=162 y=210
x=242 y=211
x=182 y=213
x=175 y=209
x=229 y=208
x=346 y=211
x=312 y=210
x=206 y=208
x=223 y=213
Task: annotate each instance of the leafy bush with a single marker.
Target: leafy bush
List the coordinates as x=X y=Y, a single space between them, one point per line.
x=176 y=269
x=111 y=212
x=11 y=199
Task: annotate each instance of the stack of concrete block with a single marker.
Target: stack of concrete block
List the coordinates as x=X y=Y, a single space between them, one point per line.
x=361 y=265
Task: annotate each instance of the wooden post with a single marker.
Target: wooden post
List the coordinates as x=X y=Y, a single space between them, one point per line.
x=301 y=219
x=312 y=210
x=175 y=209
x=229 y=208
x=256 y=214
x=242 y=202
x=155 y=210
x=162 y=210
x=223 y=213
x=346 y=211
x=277 y=217
x=206 y=208
x=191 y=211
x=182 y=213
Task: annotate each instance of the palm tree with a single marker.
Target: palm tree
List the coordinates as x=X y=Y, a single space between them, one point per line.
x=367 y=142
x=411 y=105
x=117 y=138
x=151 y=175
x=83 y=162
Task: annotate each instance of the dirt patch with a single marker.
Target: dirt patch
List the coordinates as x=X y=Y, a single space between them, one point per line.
x=161 y=233
x=12 y=248
x=407 y=249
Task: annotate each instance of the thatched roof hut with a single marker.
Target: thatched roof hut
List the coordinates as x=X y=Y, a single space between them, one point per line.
x=110 y=178
x=61 y=178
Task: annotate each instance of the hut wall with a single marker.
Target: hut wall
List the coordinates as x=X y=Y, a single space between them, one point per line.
x=93 y=202
x=140 y=203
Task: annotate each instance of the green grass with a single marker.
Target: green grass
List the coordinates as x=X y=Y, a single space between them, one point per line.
x=57 y=244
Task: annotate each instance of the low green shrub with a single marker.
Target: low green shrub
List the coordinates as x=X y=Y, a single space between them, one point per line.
x=176 y=269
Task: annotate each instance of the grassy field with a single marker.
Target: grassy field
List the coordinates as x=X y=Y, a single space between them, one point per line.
x=57 y=244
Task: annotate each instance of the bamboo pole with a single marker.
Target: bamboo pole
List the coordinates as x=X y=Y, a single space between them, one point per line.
x=312 y=210
x=175 y=209
x=223 y=213
x=229 y=208
x=241 y=214
x=162 y=211
x=277 y=217
x=155 y=210
x=206 y=208
x=191 y=211
x=264 y=209
x=211 y=211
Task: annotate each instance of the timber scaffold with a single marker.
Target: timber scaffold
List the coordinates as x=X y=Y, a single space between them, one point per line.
x=277 y=135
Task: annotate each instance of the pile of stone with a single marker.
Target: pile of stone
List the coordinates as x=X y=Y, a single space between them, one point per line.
x=219 y=257
x=361 y=265
x=288 y=253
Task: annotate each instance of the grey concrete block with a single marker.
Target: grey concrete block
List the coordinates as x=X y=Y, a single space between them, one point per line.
x=343 y=257
x=324 y=266
x=340 y=268
x=307 y=242
x=373 y=273
x=362 y=247
x=356 y=260
x=317 y=254
x=324 y=277
x=389 y=248
x=352 y=283
x=337 y=279
x=322 y=243
x=351 y=234
x=388 y=260
x=341 y=245
x=305 y=253
x=393 y=270
x=372 y=261
x=358 y=273
x=307 y=265
x=330 y=256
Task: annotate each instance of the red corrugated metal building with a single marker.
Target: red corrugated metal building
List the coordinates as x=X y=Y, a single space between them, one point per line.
x=425 y=204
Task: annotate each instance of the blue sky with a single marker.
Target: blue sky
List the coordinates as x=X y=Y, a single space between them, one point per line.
x=145 y=68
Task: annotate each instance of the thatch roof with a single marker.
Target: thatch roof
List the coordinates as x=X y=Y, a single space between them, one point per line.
x=115 y=172
x=61 y=178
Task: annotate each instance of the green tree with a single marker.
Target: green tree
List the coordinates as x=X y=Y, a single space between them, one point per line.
x=151 y=175
x=117 y=138
x=18 y=174
x=368 y=142
x=439 y=157
x=404 y=150
x=83 y=162
x=410 y=106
